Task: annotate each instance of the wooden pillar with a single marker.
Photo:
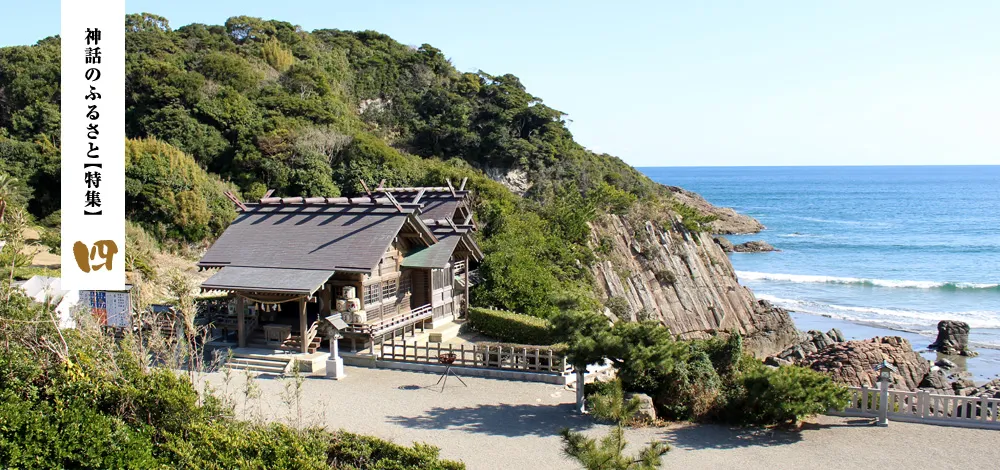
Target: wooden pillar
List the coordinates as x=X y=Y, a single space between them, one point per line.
x=467 y=303
x=302 y=325
x=327 y=300
x=241 y=333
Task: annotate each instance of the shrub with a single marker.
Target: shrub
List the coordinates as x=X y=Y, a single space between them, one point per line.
x=714 y=380
x=87 y=401
x=619 y=307
x=783 y=395
x=510 y=327
x=354 y=451
x=692 y=219
x=276 y=56
x=608 y=403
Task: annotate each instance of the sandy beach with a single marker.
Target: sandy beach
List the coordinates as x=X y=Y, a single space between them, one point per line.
x=497 y=424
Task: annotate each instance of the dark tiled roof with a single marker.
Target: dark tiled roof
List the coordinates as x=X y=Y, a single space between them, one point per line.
x=303 y=236
x=297 y=281
x=436 y=203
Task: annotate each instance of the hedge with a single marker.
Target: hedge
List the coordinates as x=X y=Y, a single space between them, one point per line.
x=510 y=327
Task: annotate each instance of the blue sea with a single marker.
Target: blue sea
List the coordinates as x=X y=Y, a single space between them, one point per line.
x=894 y=247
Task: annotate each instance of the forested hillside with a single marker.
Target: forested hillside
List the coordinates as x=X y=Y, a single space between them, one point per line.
x=263 y=105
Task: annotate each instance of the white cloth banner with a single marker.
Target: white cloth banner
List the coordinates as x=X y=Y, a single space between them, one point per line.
x=93 y=144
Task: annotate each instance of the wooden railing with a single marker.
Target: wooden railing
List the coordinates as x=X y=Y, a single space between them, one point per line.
x=311 y=332
x=382 y=326
x=925 y=407
x=523 y=358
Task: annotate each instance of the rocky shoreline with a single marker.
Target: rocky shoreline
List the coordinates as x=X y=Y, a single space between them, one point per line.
x=756 y=246
x=941 y=373
x=728 y=221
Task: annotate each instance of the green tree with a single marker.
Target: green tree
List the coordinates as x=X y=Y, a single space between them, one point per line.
x=589 y=341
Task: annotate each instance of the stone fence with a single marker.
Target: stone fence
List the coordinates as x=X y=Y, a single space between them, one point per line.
x=924 y=407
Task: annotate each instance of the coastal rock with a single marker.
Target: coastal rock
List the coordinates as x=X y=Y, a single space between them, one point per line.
x=952 y=338
x=684 y=280
x=936 y=381
x=945 y=364
x=853 y=362
x=811 y=342
x=756 y=246
x=727 y=221
x=963 y=387
x=724 y=243
x=646 y=413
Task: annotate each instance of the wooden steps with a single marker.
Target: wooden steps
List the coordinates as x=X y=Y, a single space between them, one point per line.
x=290 y=344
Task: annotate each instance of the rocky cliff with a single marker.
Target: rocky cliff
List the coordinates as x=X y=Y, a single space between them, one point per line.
x=727 y=220
x=683 y=279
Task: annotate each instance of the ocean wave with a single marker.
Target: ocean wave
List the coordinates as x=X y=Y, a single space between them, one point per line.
x=855 y=281
x=908 y=320
x=855 y=223
x=799 y=235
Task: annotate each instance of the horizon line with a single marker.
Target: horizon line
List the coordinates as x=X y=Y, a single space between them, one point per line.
x=823 y=166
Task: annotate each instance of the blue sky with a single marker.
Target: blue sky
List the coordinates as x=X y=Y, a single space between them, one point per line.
x=693 y=83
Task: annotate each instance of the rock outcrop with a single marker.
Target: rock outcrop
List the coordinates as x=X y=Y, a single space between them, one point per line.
x=813 y=341
x=756 y=246
x=686 y=281
x=728 y=221
x=952 y=338
x=853 y=362
x=514 y=179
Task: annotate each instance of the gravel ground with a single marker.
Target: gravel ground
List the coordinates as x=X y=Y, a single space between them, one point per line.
x=498 y=424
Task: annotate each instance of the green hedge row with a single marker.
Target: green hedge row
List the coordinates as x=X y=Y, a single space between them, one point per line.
x=510 y=327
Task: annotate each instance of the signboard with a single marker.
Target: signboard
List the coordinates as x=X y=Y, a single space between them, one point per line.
x=93 y=144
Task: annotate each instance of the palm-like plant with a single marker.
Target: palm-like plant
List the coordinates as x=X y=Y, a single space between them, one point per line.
x=608 y=453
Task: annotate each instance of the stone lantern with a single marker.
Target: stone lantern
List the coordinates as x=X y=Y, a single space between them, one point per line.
x=885 y=371
x=335 y=364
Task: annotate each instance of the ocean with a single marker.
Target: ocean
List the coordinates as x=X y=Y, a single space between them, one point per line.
x=892 y=247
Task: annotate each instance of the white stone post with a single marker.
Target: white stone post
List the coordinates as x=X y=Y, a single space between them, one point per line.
x=883 y=405
x=335 y=363
x=581 y=402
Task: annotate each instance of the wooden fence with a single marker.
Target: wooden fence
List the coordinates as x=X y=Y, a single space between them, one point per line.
x=521 y=358
x=925 y=407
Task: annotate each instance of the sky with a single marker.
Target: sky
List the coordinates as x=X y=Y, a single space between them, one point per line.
x=668 y=83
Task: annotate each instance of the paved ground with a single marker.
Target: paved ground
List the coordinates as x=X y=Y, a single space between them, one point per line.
x=496 y=424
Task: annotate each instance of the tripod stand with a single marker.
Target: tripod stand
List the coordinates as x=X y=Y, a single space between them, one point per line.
x=448 y=360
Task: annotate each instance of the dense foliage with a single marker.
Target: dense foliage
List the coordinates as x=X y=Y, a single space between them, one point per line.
x=510 y=327
x=76 y=399
x=265 y=105
x=705 y=380
x=168 y=192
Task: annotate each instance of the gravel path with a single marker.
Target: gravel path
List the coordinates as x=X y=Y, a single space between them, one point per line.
x=497 y=424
